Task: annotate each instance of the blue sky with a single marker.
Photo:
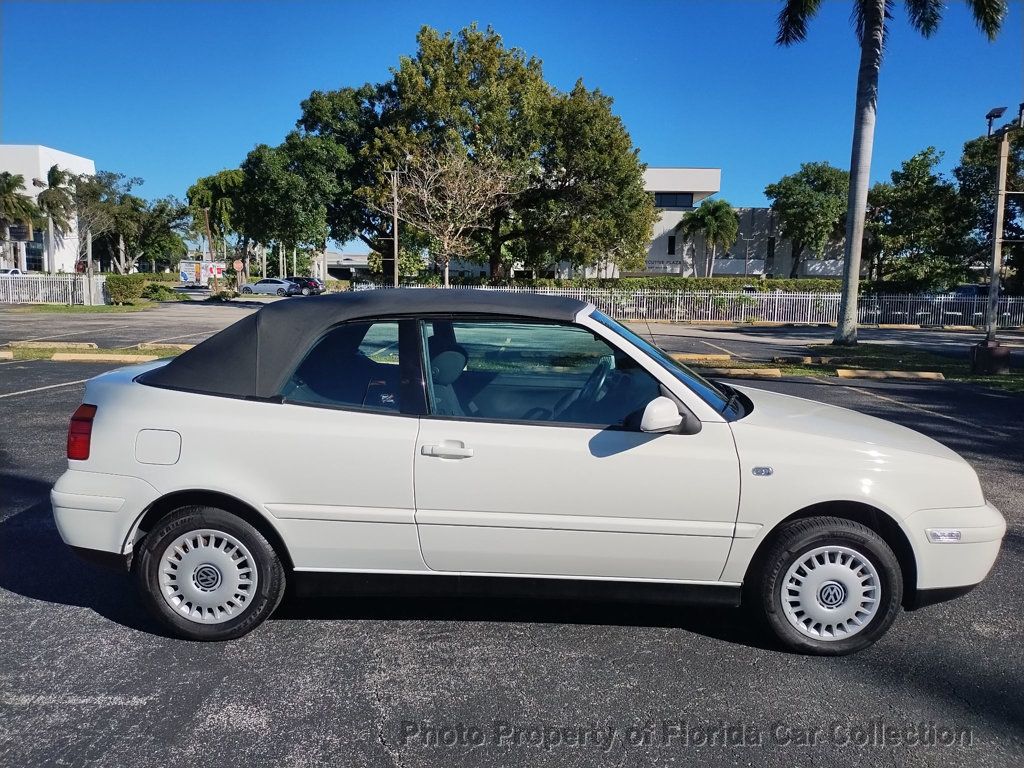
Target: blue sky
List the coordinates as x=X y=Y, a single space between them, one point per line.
x=170 y=91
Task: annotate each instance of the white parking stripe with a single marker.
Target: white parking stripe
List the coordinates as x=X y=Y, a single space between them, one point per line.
x=183 y=336
x=922 y=409
x=40 y=389
x=70 y=333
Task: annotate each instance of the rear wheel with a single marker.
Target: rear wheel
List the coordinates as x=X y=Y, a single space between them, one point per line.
x=306 y=291
x=281 y=291
x=828 y=586
x=209 y=575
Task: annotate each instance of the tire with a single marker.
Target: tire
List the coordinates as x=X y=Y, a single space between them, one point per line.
x=247 y=290
x=842 y=586
x=232 y=581
x=281 y=292
x=306 y=291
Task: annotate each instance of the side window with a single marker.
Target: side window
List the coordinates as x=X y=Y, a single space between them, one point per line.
x=355 y=365
x=532 y=371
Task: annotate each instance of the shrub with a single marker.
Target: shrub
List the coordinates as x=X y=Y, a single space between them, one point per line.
x=125 y=289
x=160 y=292
x=337 y=286
x=223 y=296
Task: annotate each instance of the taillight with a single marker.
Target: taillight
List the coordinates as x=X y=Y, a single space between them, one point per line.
x=80 y=432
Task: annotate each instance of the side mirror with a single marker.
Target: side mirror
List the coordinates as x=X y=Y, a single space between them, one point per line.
x=660 y=415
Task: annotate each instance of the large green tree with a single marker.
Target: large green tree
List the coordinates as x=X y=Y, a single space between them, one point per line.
x=581 y=199
x=870 y=19
x=976 y=178
x=716 y=223
x=810 y=204
x=917 y=228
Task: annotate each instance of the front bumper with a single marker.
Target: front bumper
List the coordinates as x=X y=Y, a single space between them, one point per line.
x=955 y=564
x=97 y=511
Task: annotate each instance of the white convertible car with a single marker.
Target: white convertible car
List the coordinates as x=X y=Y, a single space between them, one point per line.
x=432 y=433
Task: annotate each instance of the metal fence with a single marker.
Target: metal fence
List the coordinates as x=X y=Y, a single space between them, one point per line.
x=51 y=289
x=779 y=307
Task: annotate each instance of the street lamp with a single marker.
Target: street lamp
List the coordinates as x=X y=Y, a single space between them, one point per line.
x=988 y=356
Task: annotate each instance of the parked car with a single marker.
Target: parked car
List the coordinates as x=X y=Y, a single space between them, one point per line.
x=487 y=434
x=308 y=286
x=11 y=271
x=273 y=286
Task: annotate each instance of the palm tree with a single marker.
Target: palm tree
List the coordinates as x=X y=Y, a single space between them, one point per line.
x=717 y=222
x=15 y=206
x=56 y=202
x=870 y=17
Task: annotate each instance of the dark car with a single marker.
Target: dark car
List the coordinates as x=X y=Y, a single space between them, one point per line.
x=308 y=286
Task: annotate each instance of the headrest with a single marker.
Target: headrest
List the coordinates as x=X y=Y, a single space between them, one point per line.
x=446 y=364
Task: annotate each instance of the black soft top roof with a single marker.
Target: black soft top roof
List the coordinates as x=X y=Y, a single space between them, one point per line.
x=251 y=357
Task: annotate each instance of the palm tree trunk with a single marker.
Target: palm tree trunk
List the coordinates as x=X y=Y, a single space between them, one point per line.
x=711 y=264
x=860 y=168
x=51 y=263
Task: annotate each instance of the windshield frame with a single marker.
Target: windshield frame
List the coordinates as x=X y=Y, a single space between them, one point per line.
x=720 y=397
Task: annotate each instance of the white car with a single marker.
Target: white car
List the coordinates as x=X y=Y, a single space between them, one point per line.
x=474 y=433
x=10 y=272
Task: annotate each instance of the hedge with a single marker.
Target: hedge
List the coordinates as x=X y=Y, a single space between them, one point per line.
x=126 y=289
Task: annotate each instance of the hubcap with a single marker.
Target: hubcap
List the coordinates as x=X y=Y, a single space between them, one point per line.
x=207 y=576
x=830 y=593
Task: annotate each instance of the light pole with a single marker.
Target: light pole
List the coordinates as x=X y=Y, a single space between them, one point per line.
x=988 y=356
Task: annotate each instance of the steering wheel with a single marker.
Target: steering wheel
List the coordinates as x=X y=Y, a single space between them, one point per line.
x=596 y=380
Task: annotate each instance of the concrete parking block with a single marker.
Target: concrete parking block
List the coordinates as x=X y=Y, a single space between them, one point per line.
x=76 y=357
x=51 y=344
x=854 y=373
x=743 y=373
x=164 y=346
x=6 y=354
x=685 y=357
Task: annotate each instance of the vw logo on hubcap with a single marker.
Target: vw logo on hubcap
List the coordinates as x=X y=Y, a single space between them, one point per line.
x=206 y=577
x=831 y=594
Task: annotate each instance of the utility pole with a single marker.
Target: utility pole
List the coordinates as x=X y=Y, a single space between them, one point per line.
x=989 y=356
x=394 y=220
x=295 y=270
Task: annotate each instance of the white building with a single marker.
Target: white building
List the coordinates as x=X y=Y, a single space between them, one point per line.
x=34 y=161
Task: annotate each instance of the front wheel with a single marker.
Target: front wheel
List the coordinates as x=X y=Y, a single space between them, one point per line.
x=828 y=586
x=209 y=575
x=247 y=290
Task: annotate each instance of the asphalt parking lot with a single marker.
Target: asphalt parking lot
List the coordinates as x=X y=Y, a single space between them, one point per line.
x=86 y=678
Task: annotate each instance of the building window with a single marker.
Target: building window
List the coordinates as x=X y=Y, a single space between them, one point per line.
x=671 y=245
x=673 y=199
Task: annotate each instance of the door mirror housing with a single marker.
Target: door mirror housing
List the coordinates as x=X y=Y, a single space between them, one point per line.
x=661 y=415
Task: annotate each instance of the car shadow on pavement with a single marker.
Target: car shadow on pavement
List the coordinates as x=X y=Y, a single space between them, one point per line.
x=424 y=599
x=35 y=563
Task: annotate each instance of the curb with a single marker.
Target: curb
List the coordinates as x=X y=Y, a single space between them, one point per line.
x=854 y=373
x=743 y=373
x=75 y=357
x=803 y=360
x=6 y=354
x=51 y=344
x=690 y=357
x=183 y=347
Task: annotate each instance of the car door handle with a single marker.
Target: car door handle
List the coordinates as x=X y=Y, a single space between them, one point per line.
x=447 y=451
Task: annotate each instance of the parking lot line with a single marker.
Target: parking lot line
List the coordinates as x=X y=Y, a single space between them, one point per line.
x=40 y=389
x=182 y=336
x=922 y=409
x=71 y=333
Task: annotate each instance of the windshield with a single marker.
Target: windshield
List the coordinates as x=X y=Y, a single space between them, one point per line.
x=713 y=394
